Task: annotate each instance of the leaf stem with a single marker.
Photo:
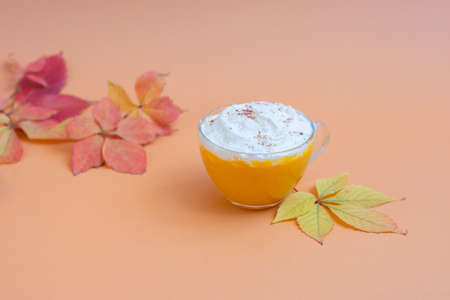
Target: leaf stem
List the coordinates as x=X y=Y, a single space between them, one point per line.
x=14 y=93
x=108 y=134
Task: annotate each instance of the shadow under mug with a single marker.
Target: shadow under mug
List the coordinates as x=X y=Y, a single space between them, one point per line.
x=260 y=180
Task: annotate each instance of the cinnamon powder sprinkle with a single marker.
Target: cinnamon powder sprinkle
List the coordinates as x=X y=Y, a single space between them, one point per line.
x=262 y=140
x=247 y=112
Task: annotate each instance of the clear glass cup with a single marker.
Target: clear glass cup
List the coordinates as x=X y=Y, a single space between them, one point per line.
x=259 y=180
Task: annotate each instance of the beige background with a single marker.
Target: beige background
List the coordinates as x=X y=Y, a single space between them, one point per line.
x=376 y=72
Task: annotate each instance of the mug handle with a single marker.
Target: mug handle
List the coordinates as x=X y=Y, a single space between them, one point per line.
x=321 y=139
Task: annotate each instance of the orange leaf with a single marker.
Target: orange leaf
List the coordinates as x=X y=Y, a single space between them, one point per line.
x=107 y=114
x=87 y=154
x=149 y=86
x=138 y=130
x=10 y=148
x=124 y=156
x=162 y=110
x=82 y=126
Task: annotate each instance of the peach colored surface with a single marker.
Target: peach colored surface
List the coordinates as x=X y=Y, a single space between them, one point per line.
x=377 y=73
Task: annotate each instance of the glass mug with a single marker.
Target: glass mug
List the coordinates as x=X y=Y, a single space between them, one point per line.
x=259 y=180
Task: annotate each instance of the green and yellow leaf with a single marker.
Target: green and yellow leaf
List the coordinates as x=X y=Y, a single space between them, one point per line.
x=328 y=186
x=364 y=219
x=295 y=205
x=317 y=223
x=10 y=148
x=44 y=130
x=361 y=196
x=5 y=134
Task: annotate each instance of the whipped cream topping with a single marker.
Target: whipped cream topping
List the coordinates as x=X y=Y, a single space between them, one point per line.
x=257 y=127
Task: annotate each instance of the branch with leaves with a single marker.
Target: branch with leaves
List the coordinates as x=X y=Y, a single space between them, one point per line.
x=350 y=203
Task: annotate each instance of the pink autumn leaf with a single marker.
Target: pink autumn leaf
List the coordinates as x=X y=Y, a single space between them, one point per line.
x=46 y=75
x=38 y=86
x=87 y=154
x=35 y=121
x=32 y=113
x=124 y=156
x=103 y=123
x=138 y=130
x=83 y=126
x=107 y=114
x=162 y=110
x=149 y=87
x=66 y=107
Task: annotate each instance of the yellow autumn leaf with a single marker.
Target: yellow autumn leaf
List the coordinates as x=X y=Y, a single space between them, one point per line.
x=117 y=94
x=4 y=119
x=294 y=205
x=360 y=195
x=317 y=223
x=364 y=219
x=328 y=186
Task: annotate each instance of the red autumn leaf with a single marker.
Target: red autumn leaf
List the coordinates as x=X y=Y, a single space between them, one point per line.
x=36 y=66
x=138 y=130
x=66 y=105
x=107 y=114
x=40 y=83
x=46 y=75
x=37 y=79
x=83 y=126
x=10 y=148
x=38 y=86
x=162 y=110
x=87 y=154
x=104 y=120
x=33 y=120
x=124 y=156
x=31 y=113
x=149 y=87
